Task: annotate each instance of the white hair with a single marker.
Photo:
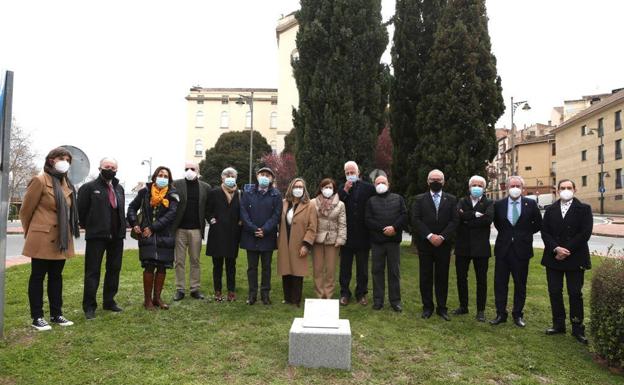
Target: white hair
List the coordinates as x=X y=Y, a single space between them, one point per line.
x=518 y=177
x=478 y=178
x=108 y=159
x=351 y=164
x=229 y=171
x=435 y=171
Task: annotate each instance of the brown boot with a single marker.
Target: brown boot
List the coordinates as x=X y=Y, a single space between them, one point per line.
x=159 y=282
x=148 y=285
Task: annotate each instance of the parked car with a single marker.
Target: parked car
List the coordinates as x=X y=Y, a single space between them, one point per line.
x=543 y=200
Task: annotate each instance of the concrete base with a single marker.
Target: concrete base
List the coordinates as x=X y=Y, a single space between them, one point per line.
x=320 y=347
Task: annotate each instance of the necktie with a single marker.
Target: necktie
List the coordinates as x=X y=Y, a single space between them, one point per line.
x=515 y=214
x=111 y=197
x=436 y=200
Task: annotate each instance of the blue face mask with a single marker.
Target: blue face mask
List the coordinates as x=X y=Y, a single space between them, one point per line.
x=476 y=191
x=230 y=182
x=352 y=178
x=162 y=182
x=263 y=181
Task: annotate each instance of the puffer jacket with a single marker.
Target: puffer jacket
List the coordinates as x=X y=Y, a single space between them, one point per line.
x=331 y=229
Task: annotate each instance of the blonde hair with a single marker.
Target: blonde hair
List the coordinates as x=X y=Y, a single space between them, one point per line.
x=305 y=198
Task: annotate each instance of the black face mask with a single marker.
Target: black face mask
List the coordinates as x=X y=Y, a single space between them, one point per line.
x=435 y=186
x=108 y=174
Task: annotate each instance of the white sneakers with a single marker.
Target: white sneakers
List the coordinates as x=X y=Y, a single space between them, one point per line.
x=41 y=324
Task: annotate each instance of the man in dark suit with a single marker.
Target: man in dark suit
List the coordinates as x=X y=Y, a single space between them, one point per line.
x=476 y=213
x=435 y=217
x=516 y=219
x=101 y=211
x=189 y=228
x=355 y=193
x=566 y=228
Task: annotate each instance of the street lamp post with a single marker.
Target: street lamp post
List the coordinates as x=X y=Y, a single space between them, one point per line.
x=249 y=100
x=149 y=162
x=515 y=105
x=601 y=187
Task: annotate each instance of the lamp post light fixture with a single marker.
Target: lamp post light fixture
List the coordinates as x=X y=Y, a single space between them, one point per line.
x=514 y=106
x=244 y=99
x=601 y=184
x=148 y=162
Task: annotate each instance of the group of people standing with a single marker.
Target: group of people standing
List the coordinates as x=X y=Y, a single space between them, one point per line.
x=356 y=220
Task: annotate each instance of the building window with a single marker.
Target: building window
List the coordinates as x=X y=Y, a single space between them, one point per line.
x=600 y=127
x=248 y=119
x=584 y=181
x=273 y=119
x=553 y=149
x=618 y=120
x=584 y=155
x=601 y=176
x=225 y=119
x=528 y=168
x=273 y=147
x=199 y=119
x=601 y=154
x=274 y=100
x=200 y=102
x=618 y=178
x=225 y=99
x=618 y=197
x=294 y=55
x=583 y=130
x=618 y=149
x=199 y=147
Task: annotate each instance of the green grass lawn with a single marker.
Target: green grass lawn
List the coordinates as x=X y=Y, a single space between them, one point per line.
x=202 y=342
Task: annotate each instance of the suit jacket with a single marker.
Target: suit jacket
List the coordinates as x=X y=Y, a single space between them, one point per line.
x=355 y=205
x=39 y=220
x=571 y=232
x=95 y=212
x=427 y=221
x=473 y=234
x=204 y=190
x=520 y=236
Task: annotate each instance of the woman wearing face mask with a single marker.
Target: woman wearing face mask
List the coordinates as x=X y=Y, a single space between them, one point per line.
x=331 y=233
x=296 y=237
x=151 y=215
x=223 y=213
x=50 y=219
x=476 y=213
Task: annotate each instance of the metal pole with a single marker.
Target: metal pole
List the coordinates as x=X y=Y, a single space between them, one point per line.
x=601 y=172
x=513 y=139
x=6 y=104
x=251 y=137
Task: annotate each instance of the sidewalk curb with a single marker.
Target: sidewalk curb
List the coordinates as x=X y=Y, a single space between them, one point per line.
x=609 y=235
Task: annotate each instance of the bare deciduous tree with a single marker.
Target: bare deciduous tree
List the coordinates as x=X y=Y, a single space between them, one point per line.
x=22 y=165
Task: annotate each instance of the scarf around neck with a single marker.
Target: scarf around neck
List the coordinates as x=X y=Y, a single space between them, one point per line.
x=327 y=204
x=157 y=196
x=229 y=192
x=67 y=217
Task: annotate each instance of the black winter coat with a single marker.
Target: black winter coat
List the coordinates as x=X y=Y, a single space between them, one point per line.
x=473 y=234
x=225 y=225
x=160 y=246
x=386 y=210
x=95 y=212
x=355 y=206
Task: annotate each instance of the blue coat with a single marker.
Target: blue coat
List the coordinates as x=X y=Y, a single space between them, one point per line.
x=263 y=211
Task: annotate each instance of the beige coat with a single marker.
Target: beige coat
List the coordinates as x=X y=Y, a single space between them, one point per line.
x=332 y=229
x=39 y=220
x=303 y=228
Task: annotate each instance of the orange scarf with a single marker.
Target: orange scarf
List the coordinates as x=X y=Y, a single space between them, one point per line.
x=158 y=196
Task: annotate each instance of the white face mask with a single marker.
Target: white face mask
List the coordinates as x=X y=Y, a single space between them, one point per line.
x=62 y=166
x=381 y=188
x=297 y=192
x=515 y=192
x=190 y=174
x=328 y=192
x=566 y=195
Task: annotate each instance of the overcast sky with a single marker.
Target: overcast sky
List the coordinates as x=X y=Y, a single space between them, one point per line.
x=111 y=77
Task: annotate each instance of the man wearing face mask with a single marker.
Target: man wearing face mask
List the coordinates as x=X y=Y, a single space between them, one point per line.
x=101 y=210
x=435 y=217
x=189 y=228
x=260 y=212
x=386 y=217
x=516 y=218
x=355 y=193
x=566 y=229
x=476 y=213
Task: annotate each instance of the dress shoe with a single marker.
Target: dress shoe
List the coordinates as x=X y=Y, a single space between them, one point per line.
x=90 y=314
x=460 y=311
x=377 y=306
x=363 y=301
x=480 y=316
x=266 y=300
x=231 y=297
x=344 y=301
x=197 y=294
x=251 y=300
x=397 y=308
x=179 y=295
x=218 y=297
x=519 y=321
x=498 y=320
x=114 y=308
x=444 y=315
x=580 y=337
x=426 y=314
x=555 y=330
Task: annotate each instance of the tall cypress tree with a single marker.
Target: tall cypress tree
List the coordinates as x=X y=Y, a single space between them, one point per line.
x=415 y=23
x=462 y=99
x=340 y=80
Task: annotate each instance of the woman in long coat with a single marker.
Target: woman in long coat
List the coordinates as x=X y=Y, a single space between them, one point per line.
x=224 y=233
x=297 y=232
x=151 y=215
x=49 y=218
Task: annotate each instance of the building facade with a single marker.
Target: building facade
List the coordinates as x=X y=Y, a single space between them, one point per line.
x=286 y=34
